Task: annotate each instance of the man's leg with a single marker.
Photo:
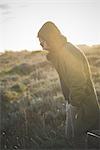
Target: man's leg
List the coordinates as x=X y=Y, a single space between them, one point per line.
x=73 y=129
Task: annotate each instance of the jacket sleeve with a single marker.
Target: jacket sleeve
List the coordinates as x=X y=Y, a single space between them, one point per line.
x=77 y=91
x=77 y=83
x=65 y=90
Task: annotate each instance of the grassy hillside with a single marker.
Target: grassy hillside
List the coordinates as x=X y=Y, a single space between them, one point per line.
x=32 y=104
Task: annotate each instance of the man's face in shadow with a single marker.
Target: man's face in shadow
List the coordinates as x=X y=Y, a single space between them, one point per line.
x=44 y=44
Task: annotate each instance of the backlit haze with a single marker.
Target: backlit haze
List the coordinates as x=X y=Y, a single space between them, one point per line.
x=20 y=20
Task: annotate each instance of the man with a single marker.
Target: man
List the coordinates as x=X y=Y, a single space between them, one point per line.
x=82 y=108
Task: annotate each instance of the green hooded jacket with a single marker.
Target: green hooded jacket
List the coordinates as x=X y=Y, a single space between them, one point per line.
x=74 y=72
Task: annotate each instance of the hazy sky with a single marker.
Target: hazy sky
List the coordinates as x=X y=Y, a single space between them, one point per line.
x=20 y=20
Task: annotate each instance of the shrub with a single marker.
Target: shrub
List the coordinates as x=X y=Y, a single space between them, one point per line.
x=19 y=87
x=22 y=69
x=10 y=95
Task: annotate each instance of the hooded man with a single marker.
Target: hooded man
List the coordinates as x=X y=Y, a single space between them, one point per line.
x=82 y=108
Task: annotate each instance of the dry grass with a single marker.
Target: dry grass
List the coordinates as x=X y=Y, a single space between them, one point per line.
x=32 y=104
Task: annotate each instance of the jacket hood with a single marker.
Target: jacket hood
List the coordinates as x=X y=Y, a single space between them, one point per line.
x=52 y=35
